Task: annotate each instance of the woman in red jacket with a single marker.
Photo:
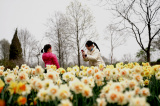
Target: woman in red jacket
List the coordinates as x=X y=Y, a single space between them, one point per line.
x=48 y=57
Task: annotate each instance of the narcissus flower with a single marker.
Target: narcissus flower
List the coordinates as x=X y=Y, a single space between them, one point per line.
x=116 y=87
x=138 y=101
x=98 y=76
x=146 y=82
x=1 y=85
x=101 y=102
x=112 y=96
x=1 y=73
x=13 y=89
x=9 y=78
x=64 y=92
x=65 y=102
x=145 y=92
x=105 y=89
x=122 y=99
x=87 y=92
x=43 y=95
x=23 y=76
x=2 y=102
x=2 y=68
x=39 y=70
x=53 y=91
x=76 y=86
x=21 y=100
x=137 y=77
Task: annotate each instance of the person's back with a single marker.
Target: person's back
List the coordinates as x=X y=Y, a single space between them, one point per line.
x=48 y=57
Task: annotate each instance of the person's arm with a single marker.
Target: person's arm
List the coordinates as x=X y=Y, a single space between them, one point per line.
x=84 y=56
x=92 y=57
x=56 y=61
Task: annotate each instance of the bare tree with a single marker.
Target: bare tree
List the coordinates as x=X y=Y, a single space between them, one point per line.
x=4 y=49
x=29 y=46
x=24 y=36
x=116 y=39
x=127 y=58
x=59 y=36
x=82 y=25
x=141 y=17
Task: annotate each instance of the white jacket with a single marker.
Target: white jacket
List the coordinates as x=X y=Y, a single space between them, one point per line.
x=94 y=57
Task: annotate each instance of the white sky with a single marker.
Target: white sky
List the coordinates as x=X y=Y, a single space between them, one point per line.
x=33 y=14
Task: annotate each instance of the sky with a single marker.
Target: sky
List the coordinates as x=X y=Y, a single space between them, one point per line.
x=33 y=15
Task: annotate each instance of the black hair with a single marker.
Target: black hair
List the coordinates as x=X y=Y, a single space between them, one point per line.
x=90 y=43
x=46 y=47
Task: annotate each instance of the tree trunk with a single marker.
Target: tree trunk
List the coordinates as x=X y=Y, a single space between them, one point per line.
x=59 y=47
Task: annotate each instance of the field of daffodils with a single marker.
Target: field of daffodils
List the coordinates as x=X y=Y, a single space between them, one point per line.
x=125 y=85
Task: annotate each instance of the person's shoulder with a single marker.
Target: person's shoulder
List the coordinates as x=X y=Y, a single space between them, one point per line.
x=54 y=55
x=96 y=50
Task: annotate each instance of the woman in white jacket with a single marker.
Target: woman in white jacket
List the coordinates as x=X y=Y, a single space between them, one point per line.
x=93 y=54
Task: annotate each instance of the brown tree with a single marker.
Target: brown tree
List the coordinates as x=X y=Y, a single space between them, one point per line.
x=83 y=29
x=141 y=17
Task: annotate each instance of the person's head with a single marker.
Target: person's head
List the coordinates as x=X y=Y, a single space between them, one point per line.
x=89 y=45
x=47 y=48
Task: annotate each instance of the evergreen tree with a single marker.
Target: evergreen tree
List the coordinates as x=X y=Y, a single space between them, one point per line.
x=15 y=48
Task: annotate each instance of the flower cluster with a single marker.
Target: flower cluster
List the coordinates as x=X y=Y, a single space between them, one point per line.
x=121 y=85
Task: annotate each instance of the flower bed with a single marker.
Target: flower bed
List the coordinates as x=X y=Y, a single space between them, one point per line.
x=129 y=84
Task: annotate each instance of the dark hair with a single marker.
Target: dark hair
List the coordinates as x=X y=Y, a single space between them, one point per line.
x=90 y=43
x=46 y=47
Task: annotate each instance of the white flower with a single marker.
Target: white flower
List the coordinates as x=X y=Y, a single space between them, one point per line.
x=112 y=96
x=27 y=91
x=124 y=72
x=52 y=76
x=132 y=84
x=9 y=78
x=116 y=87
x=129 y=94
x=145 y=92
x=87 y=91
x=90 y=71
x=39 y=70
x=96 y=69
x=67 y=76
x=114 y=73
x=33 y=71
x=43 y=95
x=47 y=83
x=5 y=73
x=122 y=100
x=101 y=102
x=2 y=68
x=105 y=89
x=39 y=84
x=64 y=92
x=137 y=90
x=157 y=75
x=53 y=91
x=138 y=101
x=65 y=102
x=76 y=68
x=85 y=80
x=137 y=77
x=98 y=76
x=138 y=69
x=23 y=76
x=59 y=82
x=76 y=86
x=1 y=73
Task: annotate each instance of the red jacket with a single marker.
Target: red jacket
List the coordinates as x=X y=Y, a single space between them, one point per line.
x=50 y=59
